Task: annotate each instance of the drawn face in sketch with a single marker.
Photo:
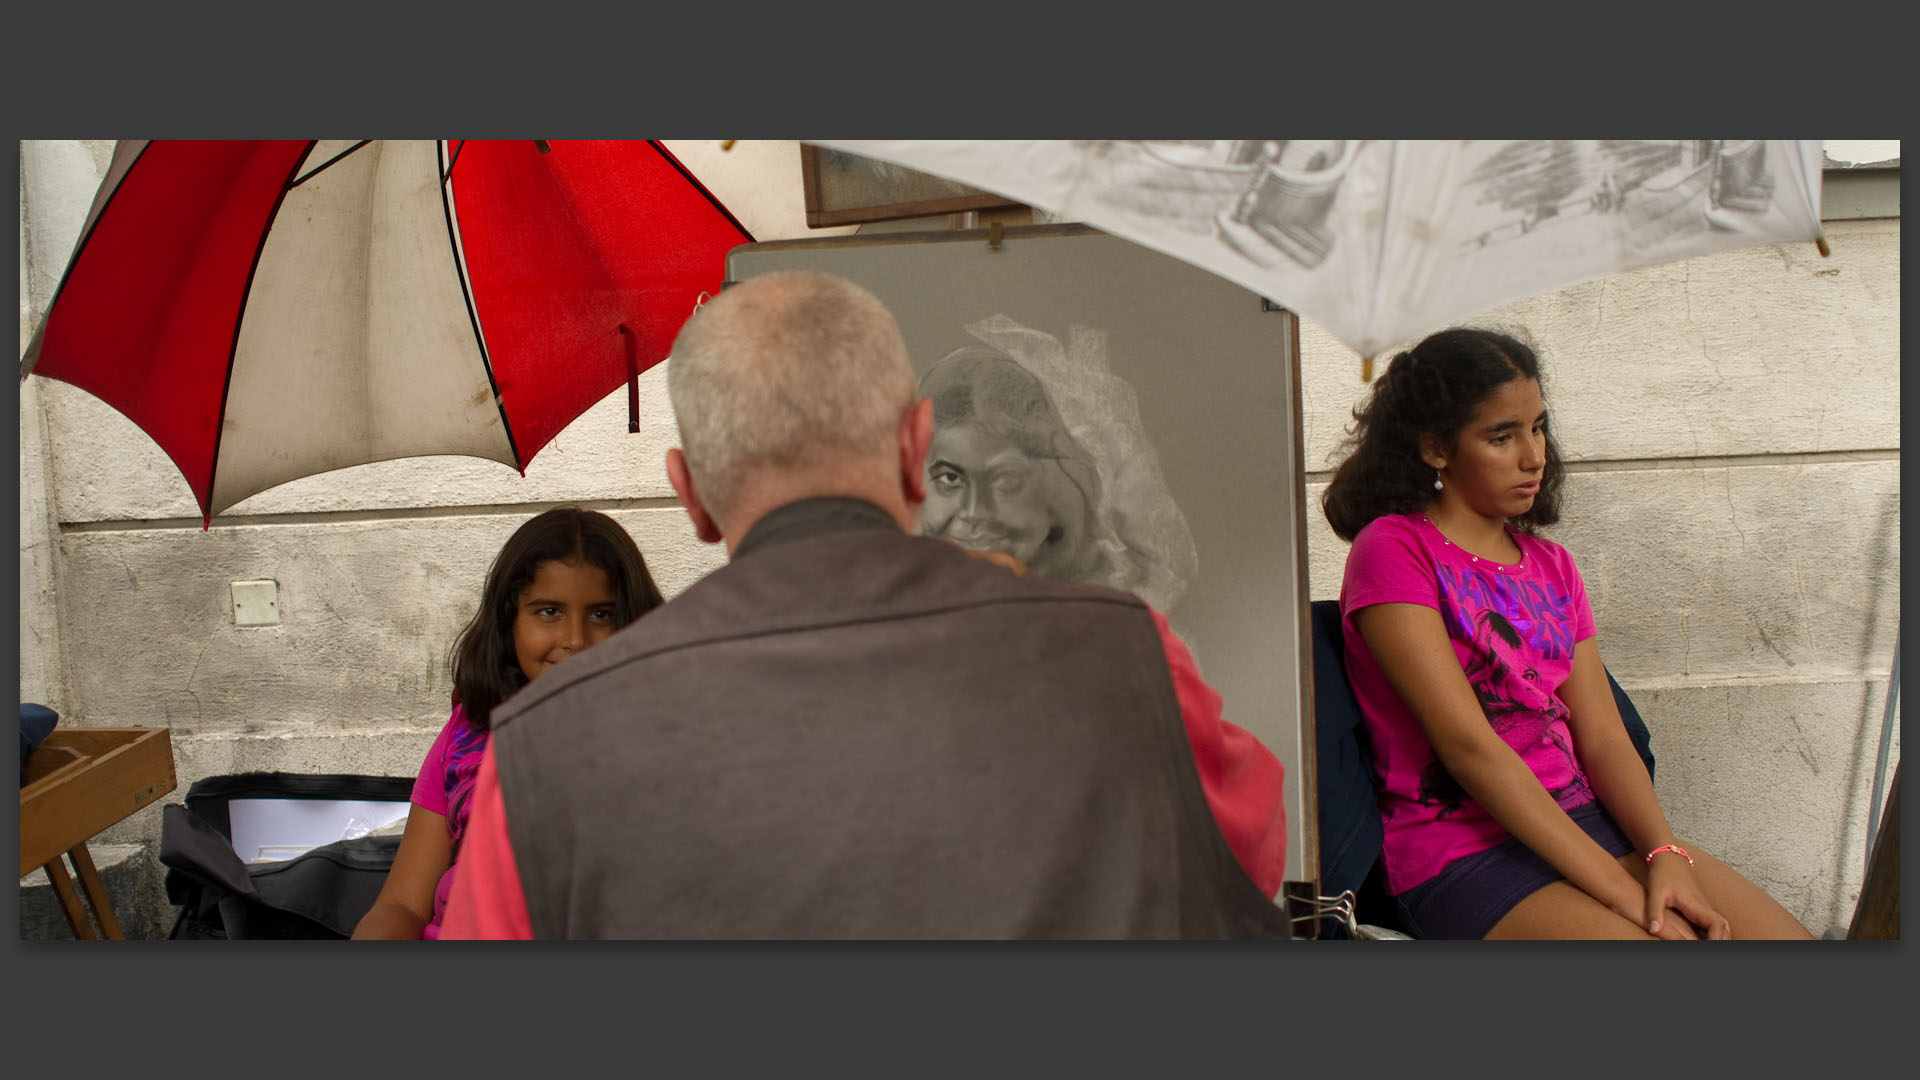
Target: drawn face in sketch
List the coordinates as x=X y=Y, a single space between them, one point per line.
x=1002 y=473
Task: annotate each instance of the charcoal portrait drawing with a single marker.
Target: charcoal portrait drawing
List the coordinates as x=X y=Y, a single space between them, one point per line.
x=1038 y=452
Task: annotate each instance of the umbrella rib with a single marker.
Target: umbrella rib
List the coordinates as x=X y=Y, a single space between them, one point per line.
x=447 y=173
x=1799 y=179
x=700 y=187
x=473 y=318
x=239 y=320
x=1386 y=232
x=33 y=347
x=328 y=163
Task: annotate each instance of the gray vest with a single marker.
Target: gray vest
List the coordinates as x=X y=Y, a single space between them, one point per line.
x=848 y=732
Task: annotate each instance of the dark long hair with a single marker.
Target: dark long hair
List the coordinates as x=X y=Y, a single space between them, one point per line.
x=1431 y=389
x=486 y=670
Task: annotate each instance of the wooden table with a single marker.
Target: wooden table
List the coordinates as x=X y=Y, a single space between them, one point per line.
x=78 y=782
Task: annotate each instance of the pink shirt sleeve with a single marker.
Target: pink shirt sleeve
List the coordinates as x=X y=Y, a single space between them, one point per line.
x=430 y=788
x=487 y=901
x=1242 y=779
x=1388 y=564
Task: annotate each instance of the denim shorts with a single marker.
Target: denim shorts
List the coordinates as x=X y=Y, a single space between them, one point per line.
x=1476 y=891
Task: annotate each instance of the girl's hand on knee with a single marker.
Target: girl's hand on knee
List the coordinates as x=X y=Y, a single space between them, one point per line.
x=1635 y=906
x=1675 y=903
x=1638 y=907
x=1669 y=925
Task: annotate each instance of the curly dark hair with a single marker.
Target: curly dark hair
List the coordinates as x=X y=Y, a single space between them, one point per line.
x=1433 y=388
x=486 y=670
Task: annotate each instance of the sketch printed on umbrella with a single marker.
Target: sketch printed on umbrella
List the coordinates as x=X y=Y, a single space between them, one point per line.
x=1264 y=198
x=1271 y=198
x=1380 y=242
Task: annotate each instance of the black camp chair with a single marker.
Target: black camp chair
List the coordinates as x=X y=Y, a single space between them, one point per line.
x=1350 y=832
x=321 y=894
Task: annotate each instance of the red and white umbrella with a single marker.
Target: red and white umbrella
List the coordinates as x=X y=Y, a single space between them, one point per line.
x=267 y=310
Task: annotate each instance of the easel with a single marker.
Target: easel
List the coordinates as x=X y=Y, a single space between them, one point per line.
x=1246 y=612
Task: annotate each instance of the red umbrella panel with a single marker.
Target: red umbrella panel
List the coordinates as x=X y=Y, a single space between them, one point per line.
x=267 y=310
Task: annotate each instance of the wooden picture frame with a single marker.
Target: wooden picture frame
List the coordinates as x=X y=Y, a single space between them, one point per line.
x=846 y=189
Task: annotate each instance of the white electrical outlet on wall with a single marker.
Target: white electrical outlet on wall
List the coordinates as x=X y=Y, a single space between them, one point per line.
x=256 y=603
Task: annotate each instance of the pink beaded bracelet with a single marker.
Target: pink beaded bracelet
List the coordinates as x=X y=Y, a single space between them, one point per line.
x=1675 y=848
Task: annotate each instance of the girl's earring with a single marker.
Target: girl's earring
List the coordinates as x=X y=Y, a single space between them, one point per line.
x=1436 y=482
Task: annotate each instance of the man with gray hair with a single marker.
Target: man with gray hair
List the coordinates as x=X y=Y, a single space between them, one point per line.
x=851 y=731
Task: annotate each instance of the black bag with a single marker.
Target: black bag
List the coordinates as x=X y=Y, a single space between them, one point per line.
x=321 y=894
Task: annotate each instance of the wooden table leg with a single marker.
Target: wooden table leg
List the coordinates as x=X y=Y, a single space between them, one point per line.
x=69 y=900
x=96 y=891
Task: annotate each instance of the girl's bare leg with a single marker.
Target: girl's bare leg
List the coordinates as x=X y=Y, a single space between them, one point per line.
x=1560 y=911
x=1749 y=911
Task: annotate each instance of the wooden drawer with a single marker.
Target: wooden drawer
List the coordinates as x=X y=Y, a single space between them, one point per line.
x=82 y=780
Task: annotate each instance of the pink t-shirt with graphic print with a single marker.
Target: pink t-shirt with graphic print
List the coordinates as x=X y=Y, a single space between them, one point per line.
x=1513 y=629
x=445 y=786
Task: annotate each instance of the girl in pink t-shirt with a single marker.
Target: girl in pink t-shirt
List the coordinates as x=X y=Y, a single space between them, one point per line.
x=565 y=580
x=1513 y=802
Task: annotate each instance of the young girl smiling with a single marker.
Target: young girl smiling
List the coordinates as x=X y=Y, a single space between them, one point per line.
x=565 y=580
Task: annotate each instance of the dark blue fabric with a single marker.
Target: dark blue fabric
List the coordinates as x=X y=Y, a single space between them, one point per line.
x=1636 y=728
x=1350 y=832
x=36 y=722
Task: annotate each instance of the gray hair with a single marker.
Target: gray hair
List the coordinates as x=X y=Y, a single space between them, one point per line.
x=787 y=371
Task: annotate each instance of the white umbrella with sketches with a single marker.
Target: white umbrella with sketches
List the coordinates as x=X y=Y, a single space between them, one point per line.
x=1381 y=242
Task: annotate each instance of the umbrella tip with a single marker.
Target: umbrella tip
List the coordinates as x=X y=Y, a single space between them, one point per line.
x=543 y=146
x=1821 y=243
x=1366 y=369
x=727 y=144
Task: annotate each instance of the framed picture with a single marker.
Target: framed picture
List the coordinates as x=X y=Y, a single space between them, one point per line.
x=847 y=189
x=1167 y=399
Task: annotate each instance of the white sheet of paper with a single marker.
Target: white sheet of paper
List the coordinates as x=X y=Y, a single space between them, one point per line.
x=275 y=829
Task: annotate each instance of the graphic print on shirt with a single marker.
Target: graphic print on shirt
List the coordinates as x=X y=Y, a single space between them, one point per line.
x=463 y=768
x=1575 y=791
x=1503 y=623
x=1490 y=670
x=1536 y=613
x=1439 y=788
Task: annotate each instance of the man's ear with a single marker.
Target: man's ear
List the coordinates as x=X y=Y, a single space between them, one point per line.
x=682 y=481
x=1432 y=452
x=916 y=437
